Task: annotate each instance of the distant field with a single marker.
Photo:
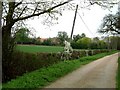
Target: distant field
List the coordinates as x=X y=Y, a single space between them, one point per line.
x=37 y=48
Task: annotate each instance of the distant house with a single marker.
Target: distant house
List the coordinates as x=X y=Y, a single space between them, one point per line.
x=41 y=39
x=55 y=40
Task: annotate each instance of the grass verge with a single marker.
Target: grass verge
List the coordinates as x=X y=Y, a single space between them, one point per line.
x=118 y=75
x=46 y=75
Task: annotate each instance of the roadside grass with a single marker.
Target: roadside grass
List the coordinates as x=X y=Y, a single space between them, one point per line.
x=118 y=75
x=44 y=76
x=37 y=48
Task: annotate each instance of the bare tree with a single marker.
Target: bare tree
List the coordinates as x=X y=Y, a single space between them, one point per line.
x=110 y=24
x=15 y=12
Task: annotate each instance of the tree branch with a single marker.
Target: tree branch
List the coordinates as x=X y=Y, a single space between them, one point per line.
x=35 y=8
x=4 y=8
x=18 y=3
x=45 y=11
x=22 y=11
x=10 y=13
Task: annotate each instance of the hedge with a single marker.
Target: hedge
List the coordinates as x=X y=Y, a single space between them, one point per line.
x=26 y=62
x=44 y=76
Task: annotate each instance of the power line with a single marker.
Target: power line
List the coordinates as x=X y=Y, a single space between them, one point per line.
x=85 y=24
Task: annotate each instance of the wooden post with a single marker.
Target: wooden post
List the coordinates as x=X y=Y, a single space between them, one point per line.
x=74 y=22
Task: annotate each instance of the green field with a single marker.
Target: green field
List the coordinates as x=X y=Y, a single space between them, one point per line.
x=37 y=48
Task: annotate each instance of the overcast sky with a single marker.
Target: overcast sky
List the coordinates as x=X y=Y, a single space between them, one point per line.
x=92 y=18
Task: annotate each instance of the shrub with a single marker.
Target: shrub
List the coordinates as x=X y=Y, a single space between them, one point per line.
x=75 y=55
x=27 y=62
x=90 y=53
x=82 y=53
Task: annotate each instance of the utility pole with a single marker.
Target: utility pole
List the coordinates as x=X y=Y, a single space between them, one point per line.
x=74 y=22
x=109 y=46
x=108 y=42
x=116 y=41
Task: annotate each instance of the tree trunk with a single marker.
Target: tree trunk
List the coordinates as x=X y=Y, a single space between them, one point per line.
x=7 y=48
x=0 y=44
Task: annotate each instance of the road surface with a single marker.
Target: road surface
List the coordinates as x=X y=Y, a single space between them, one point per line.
x=97 y=74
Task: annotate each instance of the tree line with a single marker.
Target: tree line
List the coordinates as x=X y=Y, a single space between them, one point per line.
x=78 y=41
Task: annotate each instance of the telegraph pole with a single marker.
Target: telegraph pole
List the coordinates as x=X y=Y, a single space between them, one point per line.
x=74 y=22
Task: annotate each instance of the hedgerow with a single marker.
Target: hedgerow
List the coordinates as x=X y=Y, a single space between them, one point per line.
x=43 y=76
x=22 y=62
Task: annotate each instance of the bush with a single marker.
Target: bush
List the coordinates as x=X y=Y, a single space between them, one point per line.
x=82 y=53
x=75 y=55
x=90 y=52
x=27 y=62
x=75 y=45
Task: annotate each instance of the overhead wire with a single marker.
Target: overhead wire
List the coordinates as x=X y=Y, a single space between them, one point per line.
x=85 y=24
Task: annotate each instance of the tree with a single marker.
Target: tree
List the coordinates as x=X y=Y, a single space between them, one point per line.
x=118 y=43
x=94 y=43
x=102 y=44
x=83 y=35
x=113 y=42
x=76 y=37
x=14 y=13
x=84 y=42
x=47 y=42
x=111 y=24
x=96 y=39
x=118 y=21
x=62 y=36
x=22 y=36
x=75 y=45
